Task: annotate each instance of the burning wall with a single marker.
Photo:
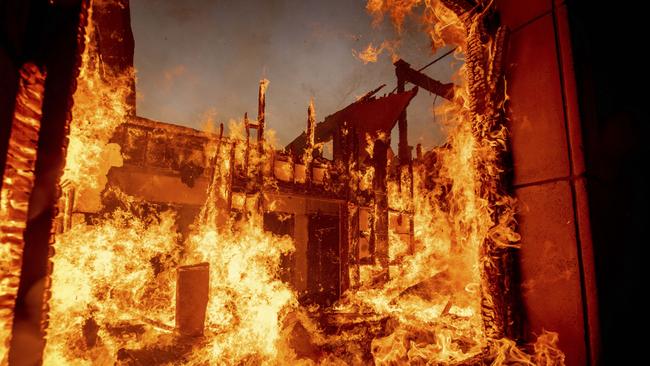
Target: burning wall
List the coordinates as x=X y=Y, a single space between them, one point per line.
x=557 y=274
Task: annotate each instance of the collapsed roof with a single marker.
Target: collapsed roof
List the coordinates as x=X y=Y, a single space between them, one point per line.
x=368 y=115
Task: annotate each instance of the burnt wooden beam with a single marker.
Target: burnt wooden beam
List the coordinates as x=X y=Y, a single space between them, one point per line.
x=402 y=125
x=261 y=106
x=405 y=73
x=311 y=130
x=381 y=222
x=367 y=115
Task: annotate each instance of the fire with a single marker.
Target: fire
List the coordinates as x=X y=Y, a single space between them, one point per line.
x=114 y=284
x=114 y=279
x=17 y=184
x=459 y=223
x=99 y=107
x=398 y=10
x=115 y=272
x=247 y=299
x=371 y=53
x=433 y=296
x=442 y=25
x=106 y=276
x=544 y=352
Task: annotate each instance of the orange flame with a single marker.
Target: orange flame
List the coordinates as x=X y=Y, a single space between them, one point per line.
x=371 y=53
x=113 y=285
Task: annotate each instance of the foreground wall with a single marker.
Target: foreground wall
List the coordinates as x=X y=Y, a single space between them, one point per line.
x=45 y=34
x=556 y=259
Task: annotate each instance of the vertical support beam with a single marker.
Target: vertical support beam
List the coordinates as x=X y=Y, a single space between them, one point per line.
x=231 y=174
x=247 y=152
x=192 y=292
x=116 y=43
x=404 y=153
x=350 y=218
x=301 y=238
x=381 y=205
x=405 y=167
x=309 y=152
x=17 y=184
x=218 y=211
x=346 y=152
x=68 y=209
x=344 y=245
x=261 y=119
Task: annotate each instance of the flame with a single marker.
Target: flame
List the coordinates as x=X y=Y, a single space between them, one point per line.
x=545 y=352
x=398 y=10
x=118 y=271
x=437 y=296
x=247 y=299
x=113 y=288
x=99 y=107
x=114 y=278
x=433 y=296
x=370 y=54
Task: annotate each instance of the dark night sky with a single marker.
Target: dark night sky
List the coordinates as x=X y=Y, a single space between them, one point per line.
x=200 y=58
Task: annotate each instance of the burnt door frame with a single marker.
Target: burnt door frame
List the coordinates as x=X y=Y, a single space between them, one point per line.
x=323 y=270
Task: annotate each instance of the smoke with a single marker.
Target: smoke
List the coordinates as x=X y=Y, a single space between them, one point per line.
x=305 y=48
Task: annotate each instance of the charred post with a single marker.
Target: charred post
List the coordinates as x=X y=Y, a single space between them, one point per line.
x=247 y=152
x=261 y=106
x=381 y=206
x=402 y=124
x=309 y=155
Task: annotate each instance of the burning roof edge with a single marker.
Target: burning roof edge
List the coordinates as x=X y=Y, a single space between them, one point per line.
x=170 y=127
x=384 y=110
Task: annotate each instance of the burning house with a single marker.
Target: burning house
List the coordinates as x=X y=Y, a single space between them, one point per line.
x=130 y=241
x=298 y=192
